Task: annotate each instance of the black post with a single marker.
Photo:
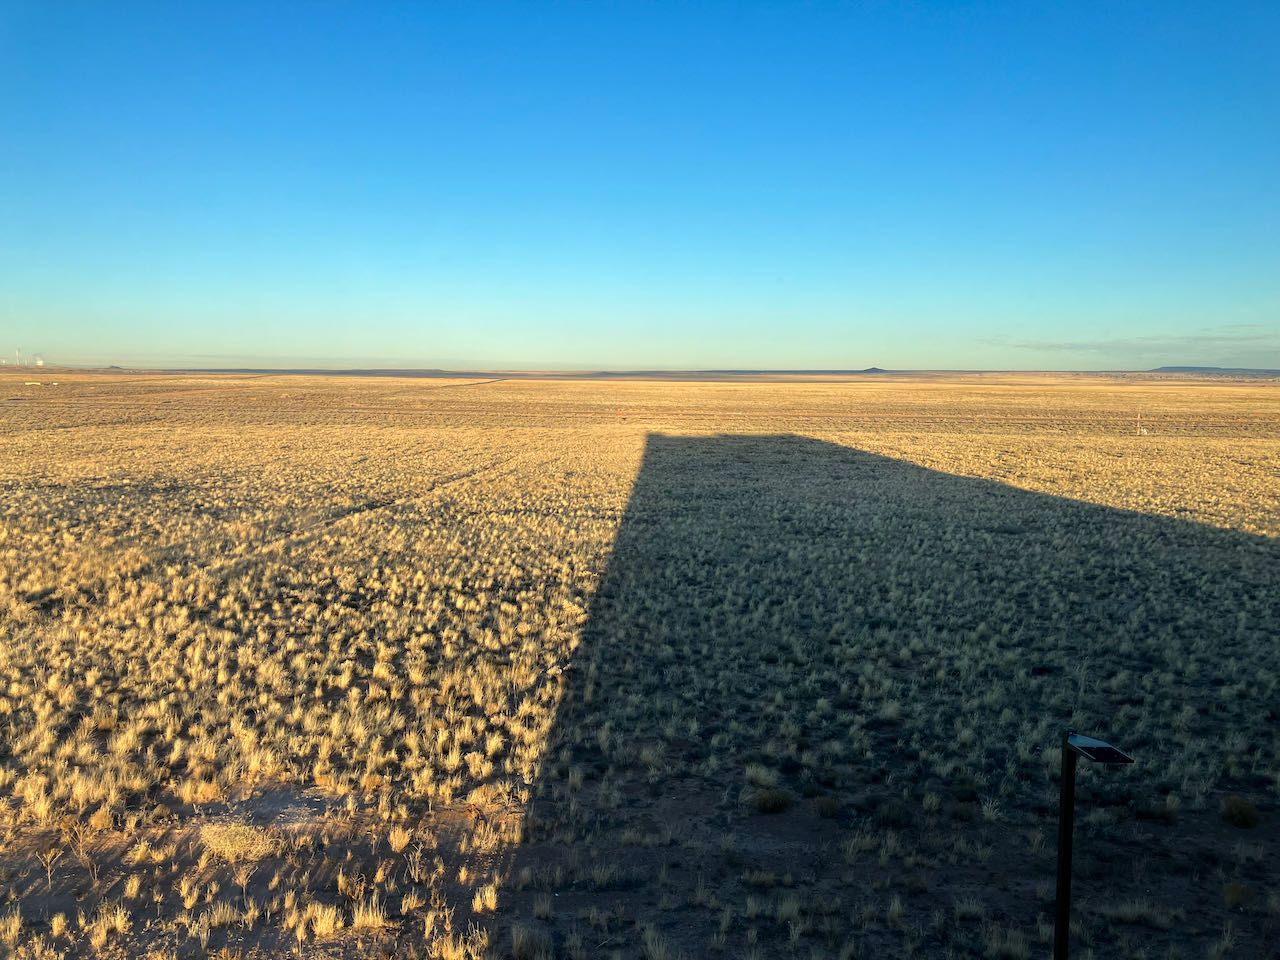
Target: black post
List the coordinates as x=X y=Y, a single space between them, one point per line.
x=1066 y=821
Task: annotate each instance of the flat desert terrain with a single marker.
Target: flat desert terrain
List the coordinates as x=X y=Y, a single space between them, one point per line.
x=360 y=667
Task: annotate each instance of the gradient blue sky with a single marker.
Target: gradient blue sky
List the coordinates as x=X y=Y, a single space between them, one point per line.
x=997 y=185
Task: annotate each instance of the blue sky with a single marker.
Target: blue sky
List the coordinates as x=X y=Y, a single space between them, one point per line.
x=958 y=185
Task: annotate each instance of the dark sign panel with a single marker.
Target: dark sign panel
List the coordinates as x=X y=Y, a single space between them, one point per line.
x=1099 y=751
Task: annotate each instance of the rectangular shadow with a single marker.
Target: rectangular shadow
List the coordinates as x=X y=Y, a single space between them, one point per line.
x=815 y=680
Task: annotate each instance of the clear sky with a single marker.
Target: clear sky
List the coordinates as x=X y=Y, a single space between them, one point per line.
x=1071 y=185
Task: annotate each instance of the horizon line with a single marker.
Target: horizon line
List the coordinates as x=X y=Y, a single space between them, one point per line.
x=636 y=373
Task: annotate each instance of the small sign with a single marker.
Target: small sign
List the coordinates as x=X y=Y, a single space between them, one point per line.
x=1099 y=751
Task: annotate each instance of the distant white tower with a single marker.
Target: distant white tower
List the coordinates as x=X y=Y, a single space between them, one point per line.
x=17 y=357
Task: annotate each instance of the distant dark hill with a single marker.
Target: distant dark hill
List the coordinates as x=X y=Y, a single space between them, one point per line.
x=1220 y=371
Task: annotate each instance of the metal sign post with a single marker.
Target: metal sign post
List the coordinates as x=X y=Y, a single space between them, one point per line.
x=1099 y=751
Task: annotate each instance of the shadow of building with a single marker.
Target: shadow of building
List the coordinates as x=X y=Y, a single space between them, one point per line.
x=818 y=697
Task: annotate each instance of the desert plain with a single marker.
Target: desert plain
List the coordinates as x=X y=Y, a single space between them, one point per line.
x=329 y=666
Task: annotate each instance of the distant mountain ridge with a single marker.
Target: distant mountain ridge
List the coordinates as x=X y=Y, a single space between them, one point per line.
x=1234 y=371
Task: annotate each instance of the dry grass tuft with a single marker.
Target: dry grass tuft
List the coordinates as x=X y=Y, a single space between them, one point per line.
x=237 y=842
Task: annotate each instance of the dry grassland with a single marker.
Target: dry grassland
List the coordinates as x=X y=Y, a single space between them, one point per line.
x=347 y=668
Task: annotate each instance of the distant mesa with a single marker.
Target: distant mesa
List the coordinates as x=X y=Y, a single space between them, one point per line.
x=1228 y=371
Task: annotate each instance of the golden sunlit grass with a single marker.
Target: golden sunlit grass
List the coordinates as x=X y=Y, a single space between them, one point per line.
x=306 y=665
x=236 y=842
